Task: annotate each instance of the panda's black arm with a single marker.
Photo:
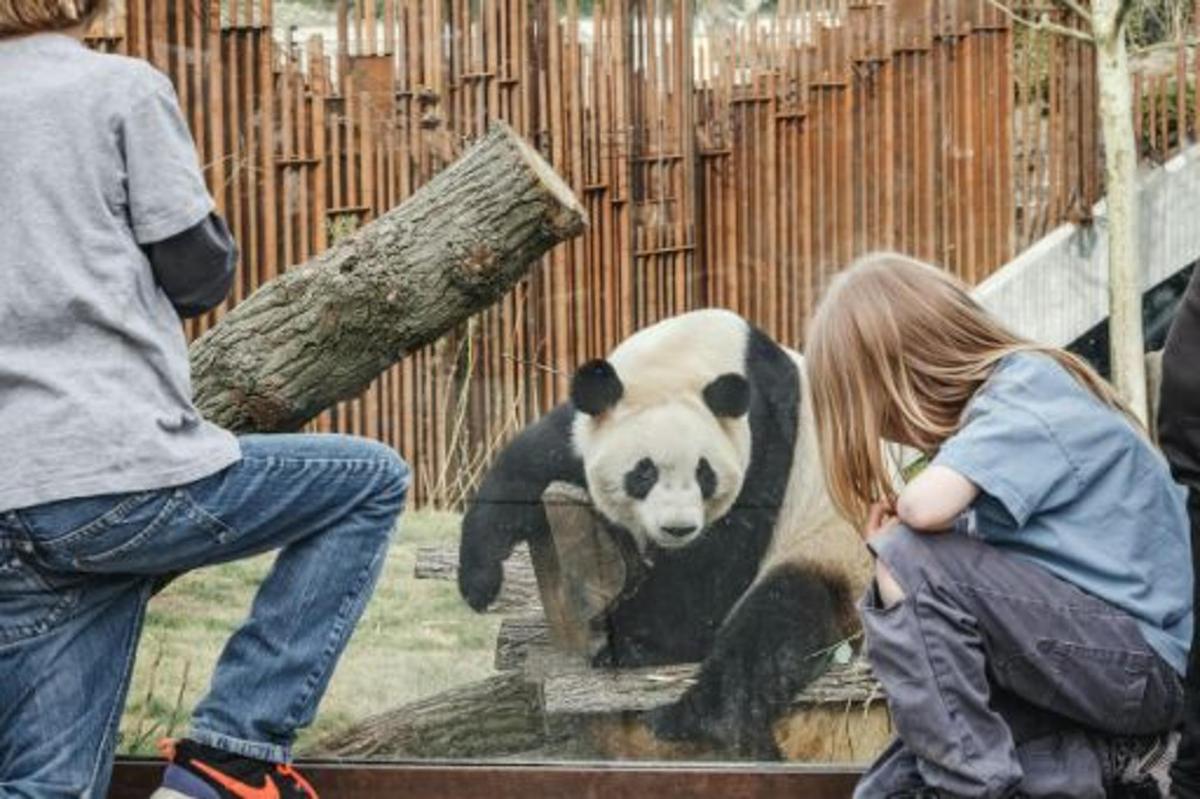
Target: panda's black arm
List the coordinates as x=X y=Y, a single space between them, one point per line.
x=779 y=639
x=508 y=506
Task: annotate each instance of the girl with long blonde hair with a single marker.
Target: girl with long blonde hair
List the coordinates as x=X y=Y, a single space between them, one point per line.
x=1033 y=584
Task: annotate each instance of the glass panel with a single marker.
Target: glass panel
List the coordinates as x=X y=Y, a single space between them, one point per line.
x=727 y=155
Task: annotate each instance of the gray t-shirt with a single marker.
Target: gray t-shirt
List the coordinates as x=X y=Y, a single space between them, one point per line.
x=95 y=396
x=1069 y=484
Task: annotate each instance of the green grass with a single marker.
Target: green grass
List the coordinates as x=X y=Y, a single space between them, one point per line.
x=417 y=638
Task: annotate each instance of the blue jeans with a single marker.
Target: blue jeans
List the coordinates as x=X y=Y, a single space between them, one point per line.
x=75 y=577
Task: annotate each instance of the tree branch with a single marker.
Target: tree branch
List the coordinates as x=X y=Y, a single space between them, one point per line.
x=1043 y=23
x=1152 y=48
x=1079 y=10
x=1122 y=13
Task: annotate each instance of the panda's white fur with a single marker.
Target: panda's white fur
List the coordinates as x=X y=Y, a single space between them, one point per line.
x=810 y=530
x=664 y=368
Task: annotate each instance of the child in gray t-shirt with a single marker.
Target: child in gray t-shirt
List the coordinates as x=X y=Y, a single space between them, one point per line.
x=111 y=478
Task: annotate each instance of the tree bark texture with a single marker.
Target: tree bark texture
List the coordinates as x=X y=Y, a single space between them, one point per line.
x=322 y=331
x=494 y=717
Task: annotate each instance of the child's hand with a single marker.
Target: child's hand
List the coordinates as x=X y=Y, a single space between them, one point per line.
x=880 y=518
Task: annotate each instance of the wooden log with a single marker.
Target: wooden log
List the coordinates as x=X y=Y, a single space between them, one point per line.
x=586 y=691
x=579 y=712
x=519 y=639
x=840 y=717
x=582 y=570
x=492 y=717
x=518 y=592
x=324 y=330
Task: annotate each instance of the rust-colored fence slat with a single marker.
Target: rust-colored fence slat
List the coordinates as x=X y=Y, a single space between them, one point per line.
x=738 y=164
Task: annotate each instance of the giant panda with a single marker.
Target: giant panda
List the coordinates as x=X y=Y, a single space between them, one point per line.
x=695 y=438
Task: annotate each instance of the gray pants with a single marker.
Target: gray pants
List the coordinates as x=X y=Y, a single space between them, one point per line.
x=998 y=674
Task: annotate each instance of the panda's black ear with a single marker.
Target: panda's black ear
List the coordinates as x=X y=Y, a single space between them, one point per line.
x=728 y=396
x=596 y=387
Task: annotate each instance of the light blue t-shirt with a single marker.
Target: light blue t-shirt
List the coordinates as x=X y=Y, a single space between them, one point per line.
x=1069 y=484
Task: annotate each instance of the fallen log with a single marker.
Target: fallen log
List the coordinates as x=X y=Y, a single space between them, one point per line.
x=497 y=716
x=322 y=331
x=518 y=638
x=570 y=711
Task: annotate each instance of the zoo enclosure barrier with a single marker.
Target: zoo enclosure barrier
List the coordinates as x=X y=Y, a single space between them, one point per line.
x=737 y=163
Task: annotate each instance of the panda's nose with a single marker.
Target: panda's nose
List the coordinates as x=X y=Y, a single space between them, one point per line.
x=682 y=531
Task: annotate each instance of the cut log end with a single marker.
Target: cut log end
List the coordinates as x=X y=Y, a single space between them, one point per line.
x=571 y=218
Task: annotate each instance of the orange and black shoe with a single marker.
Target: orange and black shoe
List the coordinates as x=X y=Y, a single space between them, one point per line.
x=196 y=771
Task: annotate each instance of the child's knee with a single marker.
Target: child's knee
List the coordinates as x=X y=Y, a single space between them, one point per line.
x=890 y=592
x=898 y=558
x=907 y=559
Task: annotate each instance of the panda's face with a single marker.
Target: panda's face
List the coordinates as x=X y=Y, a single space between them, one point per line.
x=664 y=473
x=663 y=464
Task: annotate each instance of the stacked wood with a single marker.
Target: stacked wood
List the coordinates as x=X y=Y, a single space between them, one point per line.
x=584 y=712
x=499 y=715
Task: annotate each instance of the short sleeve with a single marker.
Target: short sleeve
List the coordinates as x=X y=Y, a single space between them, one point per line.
x=166 y=191
x=1011 y=454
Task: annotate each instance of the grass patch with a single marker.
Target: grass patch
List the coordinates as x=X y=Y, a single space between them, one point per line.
x=417 y=638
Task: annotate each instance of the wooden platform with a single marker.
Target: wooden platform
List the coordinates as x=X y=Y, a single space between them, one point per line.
x=137 y=778
x=587 y=712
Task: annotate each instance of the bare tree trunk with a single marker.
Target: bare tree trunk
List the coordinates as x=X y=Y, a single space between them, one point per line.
x=322 y=331
x=1126 y=340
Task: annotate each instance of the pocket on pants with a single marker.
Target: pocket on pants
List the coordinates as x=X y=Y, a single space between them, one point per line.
x=114 y=533
x=32 y=601
x=1099 y=687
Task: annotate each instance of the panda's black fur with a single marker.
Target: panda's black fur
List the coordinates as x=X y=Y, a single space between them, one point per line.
x=760 y=636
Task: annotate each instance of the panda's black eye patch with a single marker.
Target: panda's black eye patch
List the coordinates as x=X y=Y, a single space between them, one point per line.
x=707 y=478
x=641 y=479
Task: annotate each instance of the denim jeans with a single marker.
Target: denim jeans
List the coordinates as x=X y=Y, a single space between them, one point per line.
x=999 y=675
x=75 y=577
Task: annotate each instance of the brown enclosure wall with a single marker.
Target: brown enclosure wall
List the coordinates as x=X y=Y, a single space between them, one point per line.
x=742 y=171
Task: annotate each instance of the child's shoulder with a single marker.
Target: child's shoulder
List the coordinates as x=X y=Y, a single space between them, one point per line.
x=1030 y=374
x=65 y=70
x=133 y=78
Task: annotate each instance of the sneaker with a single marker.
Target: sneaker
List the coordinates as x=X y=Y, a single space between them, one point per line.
x=1141 y=767
x=196 y=771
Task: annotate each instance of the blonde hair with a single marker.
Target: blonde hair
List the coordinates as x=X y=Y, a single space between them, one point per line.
x=895 y=351
x=20 y=17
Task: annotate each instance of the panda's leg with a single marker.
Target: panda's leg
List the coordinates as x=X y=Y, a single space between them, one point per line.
x=508 y=506
x=778 y=639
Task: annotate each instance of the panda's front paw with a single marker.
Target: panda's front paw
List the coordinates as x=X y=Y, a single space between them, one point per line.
x=731 y=733
x=479 y=584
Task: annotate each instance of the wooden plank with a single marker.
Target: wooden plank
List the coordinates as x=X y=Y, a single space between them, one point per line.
x=133 y=779
x=586 y=691
x=233 y=41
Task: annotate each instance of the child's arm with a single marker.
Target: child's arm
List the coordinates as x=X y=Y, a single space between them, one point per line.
x=195 y=268
x=935 y=498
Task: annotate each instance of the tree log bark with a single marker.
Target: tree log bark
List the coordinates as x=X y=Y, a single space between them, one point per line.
x=494 y=717
x=322 y=331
